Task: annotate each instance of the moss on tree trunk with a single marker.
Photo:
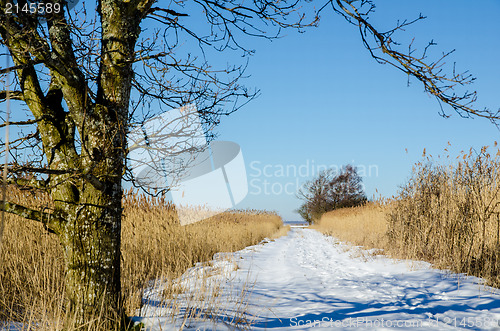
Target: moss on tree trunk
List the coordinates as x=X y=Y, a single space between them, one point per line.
x=91 y=241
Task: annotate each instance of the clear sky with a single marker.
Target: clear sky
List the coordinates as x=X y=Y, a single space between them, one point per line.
x=325 y=101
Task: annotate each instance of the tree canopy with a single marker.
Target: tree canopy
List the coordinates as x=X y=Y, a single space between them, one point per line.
x=329 y=191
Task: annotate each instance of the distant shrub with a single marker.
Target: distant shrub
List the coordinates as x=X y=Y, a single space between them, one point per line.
x=330 y=191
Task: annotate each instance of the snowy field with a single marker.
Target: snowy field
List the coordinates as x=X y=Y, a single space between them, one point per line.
x=309 y=281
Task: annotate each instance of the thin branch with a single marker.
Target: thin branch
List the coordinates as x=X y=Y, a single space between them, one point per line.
x=168 y=11
x=430 y=73
x=20 y=66
x=13 y=95
x=28 y=122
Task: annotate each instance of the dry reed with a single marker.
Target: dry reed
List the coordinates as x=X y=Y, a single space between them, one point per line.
x=154 y=246
x=360 y=226
x=448 y=213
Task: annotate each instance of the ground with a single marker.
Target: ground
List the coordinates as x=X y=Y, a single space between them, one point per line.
x=307 y=280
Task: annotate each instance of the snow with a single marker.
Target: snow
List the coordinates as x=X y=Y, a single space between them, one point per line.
x=307 y=280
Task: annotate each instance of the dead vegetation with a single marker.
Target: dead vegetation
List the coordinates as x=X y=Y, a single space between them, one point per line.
x=448 y=213
x=154 y=246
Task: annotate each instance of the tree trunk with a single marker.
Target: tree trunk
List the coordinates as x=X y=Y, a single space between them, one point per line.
x=92 y=234
x=91 y=241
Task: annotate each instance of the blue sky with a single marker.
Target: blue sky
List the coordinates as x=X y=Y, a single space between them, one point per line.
x=325 y=101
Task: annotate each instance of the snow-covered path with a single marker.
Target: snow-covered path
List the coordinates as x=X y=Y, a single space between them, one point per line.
x=307 y=280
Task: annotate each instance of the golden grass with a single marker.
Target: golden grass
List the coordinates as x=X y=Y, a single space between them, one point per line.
x=283 y=231
x=360 y=226
x=448 y=213
x=154 y=246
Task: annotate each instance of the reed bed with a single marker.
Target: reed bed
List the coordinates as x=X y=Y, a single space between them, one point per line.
x=364 y=225
x=154 y=246
x=448 y=213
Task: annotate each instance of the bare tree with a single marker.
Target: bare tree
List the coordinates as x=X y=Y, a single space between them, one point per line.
x=346 y=189
x=316 y=196
x=330 y=191
x=84 y=76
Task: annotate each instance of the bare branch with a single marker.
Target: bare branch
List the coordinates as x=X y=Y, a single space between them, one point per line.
x=27 y=183
x=52 y=222
x=27 y=169
x=13 y=95
x=168 y=11
x=21 y=66
x=430 y=73
x=29 y=122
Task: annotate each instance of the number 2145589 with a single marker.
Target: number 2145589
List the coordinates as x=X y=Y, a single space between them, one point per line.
x=33 y=8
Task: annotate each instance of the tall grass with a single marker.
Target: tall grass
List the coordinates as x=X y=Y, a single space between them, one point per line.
x=448 y=213
x=154 y=246
x=364 y=225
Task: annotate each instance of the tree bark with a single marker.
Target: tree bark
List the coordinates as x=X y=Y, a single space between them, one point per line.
x=92 y=232
x=91 y=241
